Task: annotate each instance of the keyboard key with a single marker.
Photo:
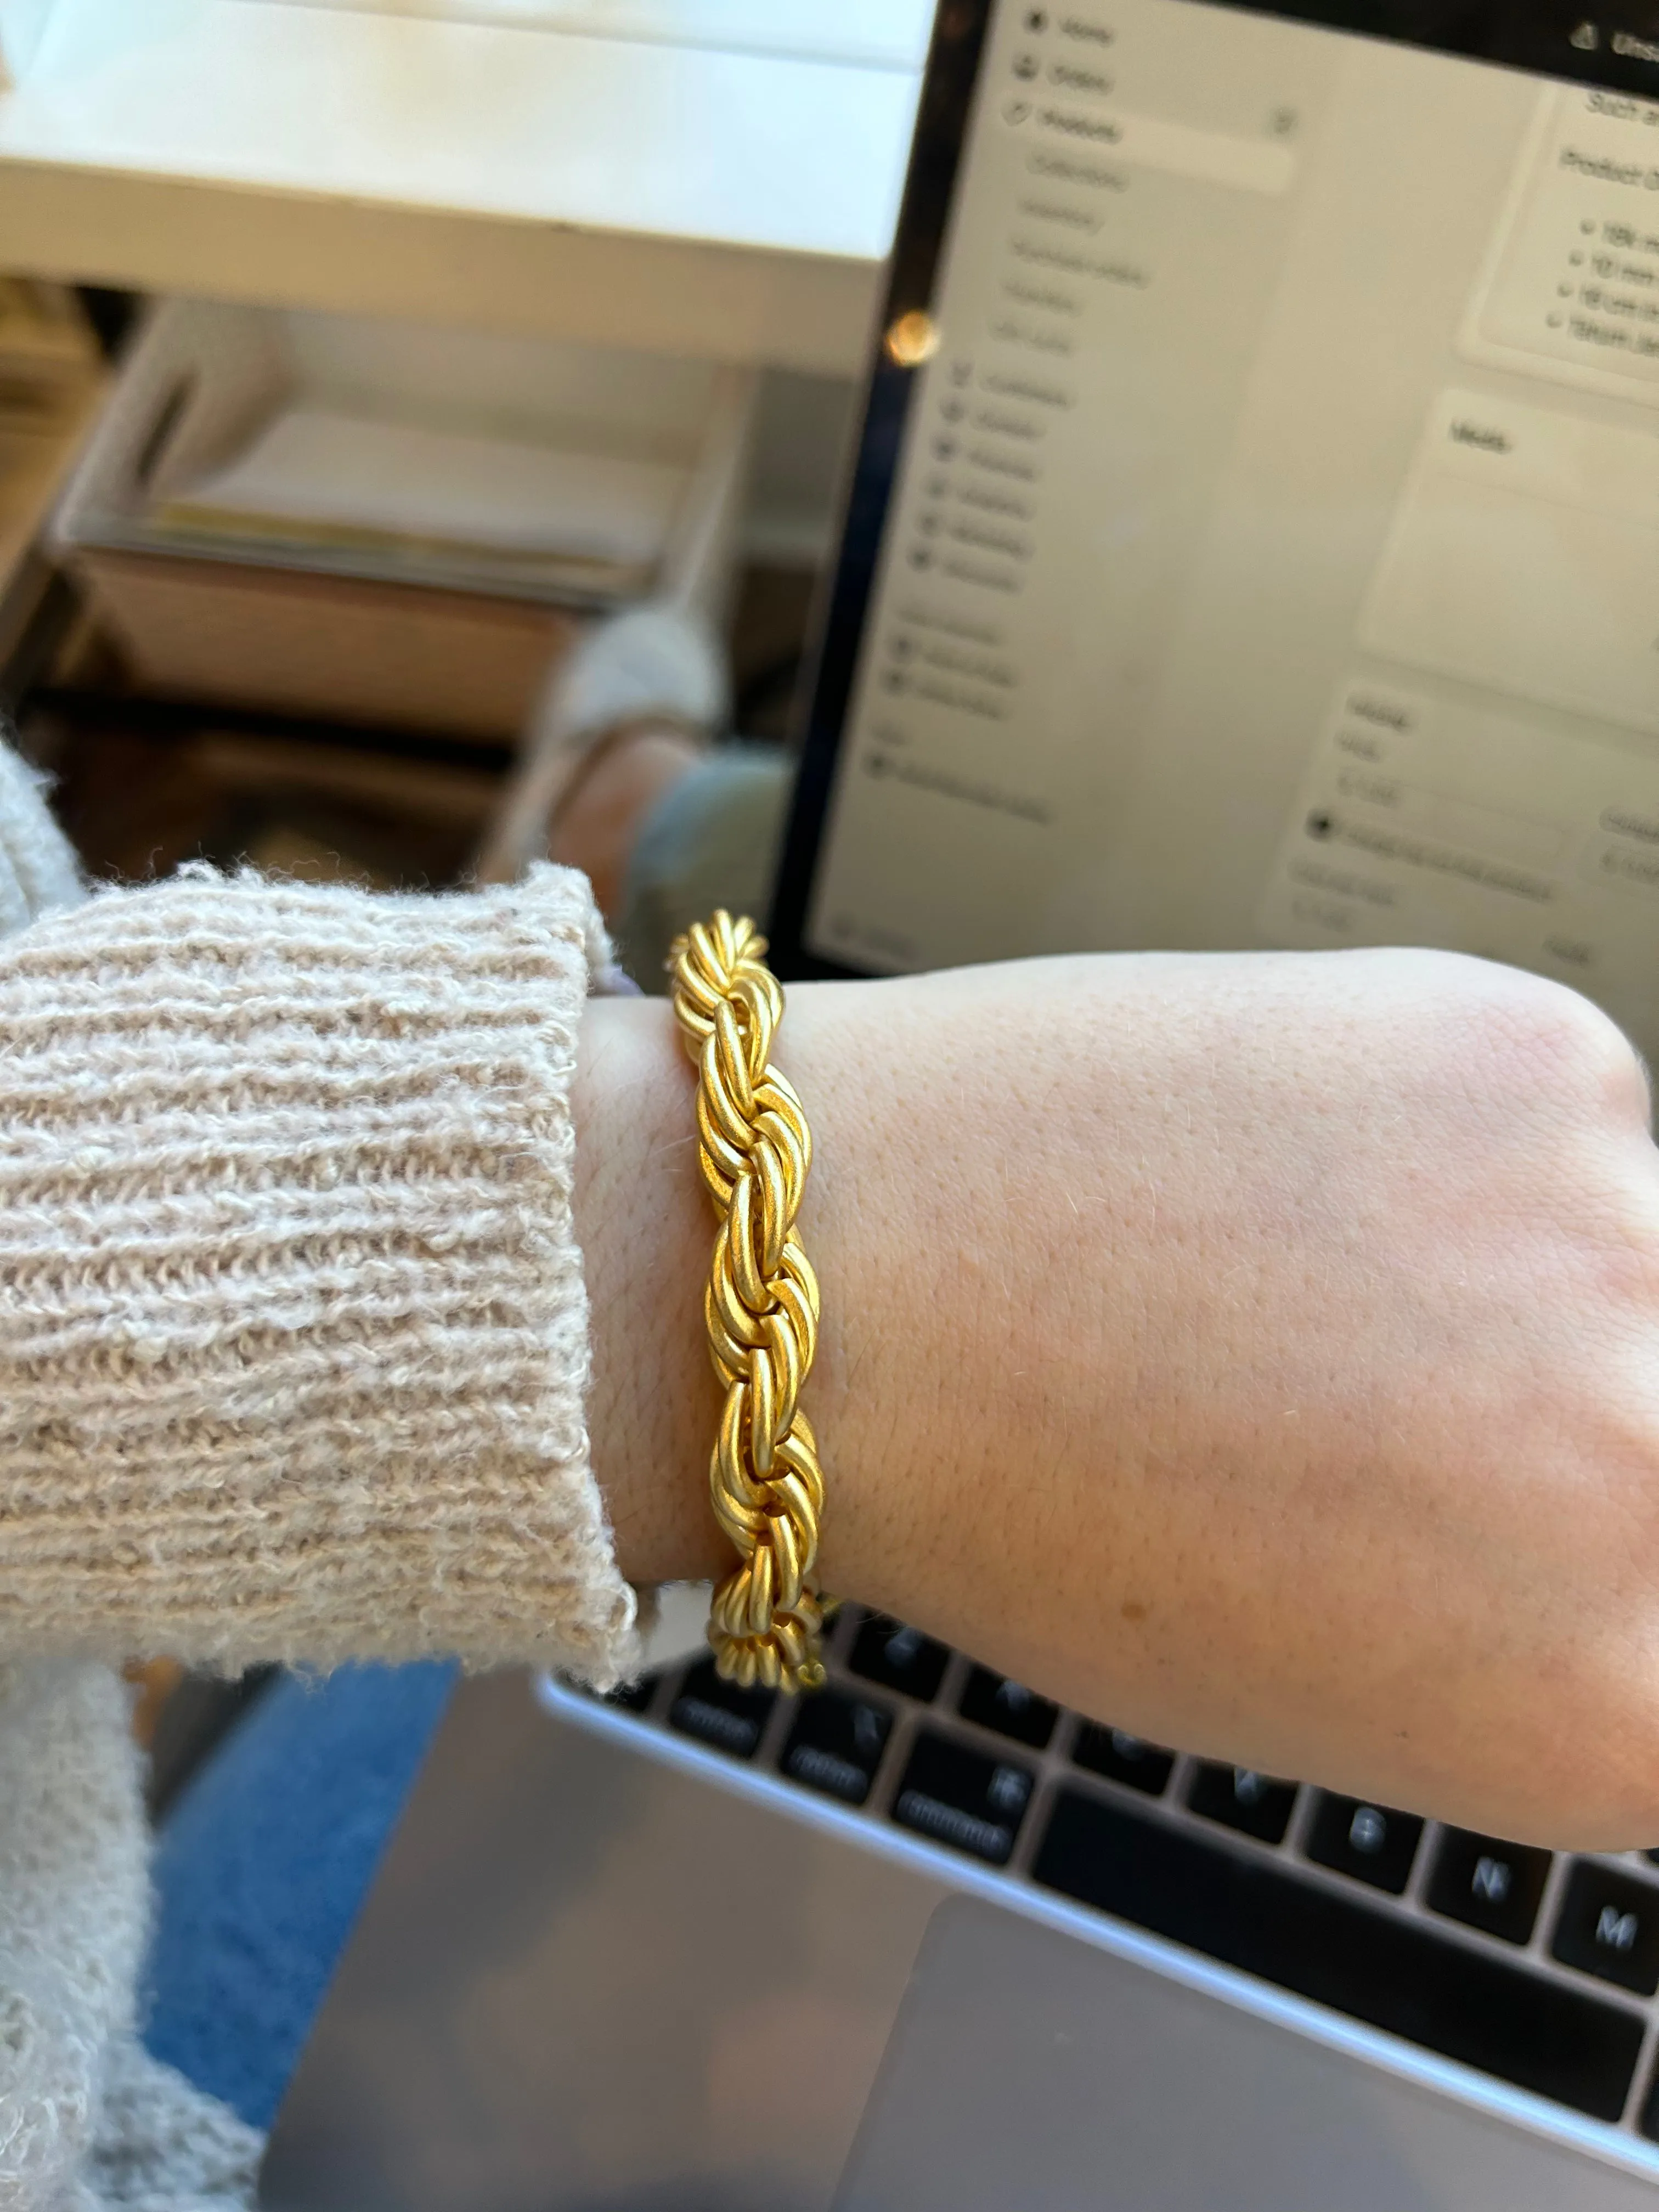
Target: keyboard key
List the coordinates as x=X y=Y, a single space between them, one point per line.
x=1609 y=1926
x=836 y=1745
x=1488 y=1884
x=899 y=1658
x=632 y=1697
x=718 y=1713
x=996 y=1703
x=1239 y=1797
x=1123 y=1758
x=1648 y=2119
x=1396 y=1974
x=1373 y=1843
x=960 y=1797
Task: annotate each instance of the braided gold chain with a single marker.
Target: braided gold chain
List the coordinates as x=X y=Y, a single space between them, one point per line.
x=761 y=1308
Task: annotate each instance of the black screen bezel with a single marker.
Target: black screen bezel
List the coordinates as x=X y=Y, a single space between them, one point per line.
x=941 y=133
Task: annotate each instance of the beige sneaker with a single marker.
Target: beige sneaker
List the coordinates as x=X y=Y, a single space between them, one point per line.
x=651 y=668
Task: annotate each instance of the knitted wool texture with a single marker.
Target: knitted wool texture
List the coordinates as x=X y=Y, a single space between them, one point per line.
x=293 y=1338
x=292 y=1349
x=89 y=2121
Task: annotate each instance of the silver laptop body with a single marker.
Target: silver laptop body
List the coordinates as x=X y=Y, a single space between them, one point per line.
x=659 y=1959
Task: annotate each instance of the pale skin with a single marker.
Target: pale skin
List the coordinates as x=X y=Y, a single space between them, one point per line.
x=1258 y=1353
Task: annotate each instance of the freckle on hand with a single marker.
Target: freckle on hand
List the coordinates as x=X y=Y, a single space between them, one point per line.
x=1133 y=1609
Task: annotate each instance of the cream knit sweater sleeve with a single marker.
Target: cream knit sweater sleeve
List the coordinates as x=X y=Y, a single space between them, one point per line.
x=293 y=1343
x=293 y=1331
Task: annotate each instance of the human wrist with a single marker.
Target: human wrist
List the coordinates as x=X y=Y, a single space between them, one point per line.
x=874 y=1222
x=642 y=1226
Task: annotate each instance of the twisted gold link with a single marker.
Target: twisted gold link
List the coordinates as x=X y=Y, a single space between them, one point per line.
x=761 y=1308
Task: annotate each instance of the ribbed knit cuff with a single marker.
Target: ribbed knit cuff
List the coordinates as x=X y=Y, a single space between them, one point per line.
x=293 y=1330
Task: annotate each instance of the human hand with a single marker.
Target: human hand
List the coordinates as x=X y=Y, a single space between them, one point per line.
x=1260 y=1352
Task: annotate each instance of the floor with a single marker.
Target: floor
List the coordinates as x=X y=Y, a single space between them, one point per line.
x=144 y=783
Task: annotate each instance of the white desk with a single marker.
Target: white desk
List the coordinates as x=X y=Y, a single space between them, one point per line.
x=707 y=177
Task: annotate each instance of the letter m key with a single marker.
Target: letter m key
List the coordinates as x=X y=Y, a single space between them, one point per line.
x=1616 y=1930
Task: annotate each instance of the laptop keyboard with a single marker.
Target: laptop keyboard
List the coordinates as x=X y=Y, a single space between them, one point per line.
x=1530 y=1966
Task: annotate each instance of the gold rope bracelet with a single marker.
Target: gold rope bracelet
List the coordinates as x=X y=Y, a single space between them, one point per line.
x=761 y=1308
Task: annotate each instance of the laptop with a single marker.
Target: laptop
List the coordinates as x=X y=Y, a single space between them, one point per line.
x=1253 y=540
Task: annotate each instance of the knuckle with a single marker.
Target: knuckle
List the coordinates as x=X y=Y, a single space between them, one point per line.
x=1569 y=1052
x=1610 y=1796
x=1592 y=1051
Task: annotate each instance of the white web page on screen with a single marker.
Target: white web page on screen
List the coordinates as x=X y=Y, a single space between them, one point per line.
x=1274 y=553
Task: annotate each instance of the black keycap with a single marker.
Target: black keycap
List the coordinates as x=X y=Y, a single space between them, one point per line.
x=899 y=1658
x=1648 y=2119
x=958 y=1796
x=1396 y=1974
x=996 y=1703
x=1491 y=1885
x=719 y=1712
x=1373 y=1843
x=836 y=1745
x=1123 y=1758
x=1609 y=1925
x=632 y=1697
x=1241 y=1798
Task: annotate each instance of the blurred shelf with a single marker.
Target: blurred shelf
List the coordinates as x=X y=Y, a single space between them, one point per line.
x=51 y=381
x=481 y=161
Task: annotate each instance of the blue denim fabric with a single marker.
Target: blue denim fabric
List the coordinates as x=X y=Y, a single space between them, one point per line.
x=711 y=840
x=262 y=1864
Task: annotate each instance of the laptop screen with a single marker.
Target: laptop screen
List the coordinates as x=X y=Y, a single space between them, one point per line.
x=1255 y=536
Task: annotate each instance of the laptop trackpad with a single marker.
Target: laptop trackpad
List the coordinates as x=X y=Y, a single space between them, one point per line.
x=1028 y=2069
